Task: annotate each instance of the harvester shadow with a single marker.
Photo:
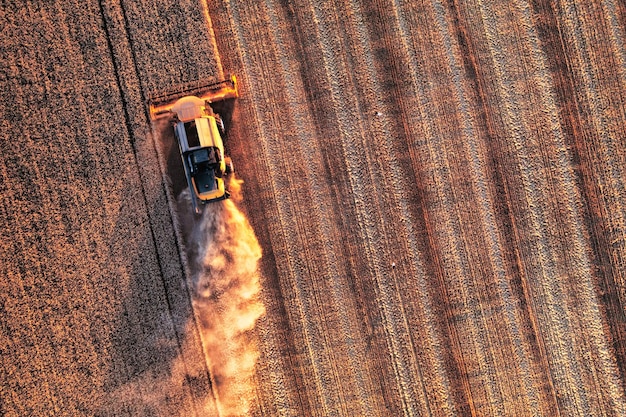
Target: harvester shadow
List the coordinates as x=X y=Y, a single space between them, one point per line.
x=151 y=345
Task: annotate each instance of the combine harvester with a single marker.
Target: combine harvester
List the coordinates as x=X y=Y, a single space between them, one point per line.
x=199 y=131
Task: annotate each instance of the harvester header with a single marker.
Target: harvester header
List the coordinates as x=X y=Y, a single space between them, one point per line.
x=210 y=92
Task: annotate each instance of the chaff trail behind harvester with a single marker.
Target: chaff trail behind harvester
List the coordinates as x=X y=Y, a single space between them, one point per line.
x=198 y=131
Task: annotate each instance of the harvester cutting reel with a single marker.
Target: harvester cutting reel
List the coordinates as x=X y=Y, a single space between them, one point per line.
x=161 y=104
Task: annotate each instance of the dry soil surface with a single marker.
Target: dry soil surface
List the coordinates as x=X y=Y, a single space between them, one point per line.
x=438 y=190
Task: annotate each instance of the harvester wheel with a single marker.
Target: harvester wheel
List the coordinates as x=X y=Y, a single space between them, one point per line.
x=220 y=125
x=229 y=165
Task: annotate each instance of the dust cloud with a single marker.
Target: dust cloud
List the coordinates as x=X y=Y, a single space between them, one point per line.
x=222 y=254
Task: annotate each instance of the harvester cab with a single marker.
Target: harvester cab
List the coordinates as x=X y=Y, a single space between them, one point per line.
x=198 y=131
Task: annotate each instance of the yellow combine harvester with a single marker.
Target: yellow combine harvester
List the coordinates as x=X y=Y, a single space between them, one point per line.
x=199 y=131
